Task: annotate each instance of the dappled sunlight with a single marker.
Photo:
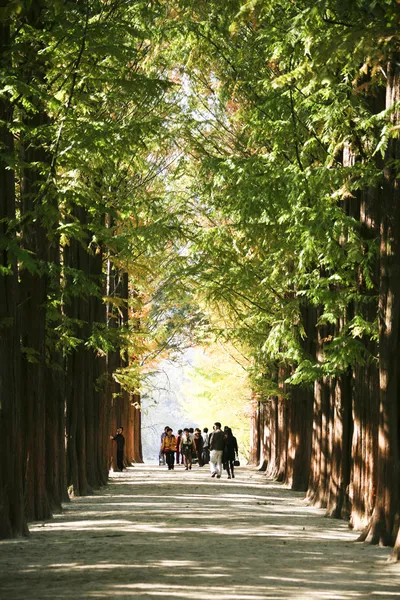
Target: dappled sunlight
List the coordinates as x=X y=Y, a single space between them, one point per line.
x=84 y=525
x=227 y=523
x=198 y=539
x=176 y=591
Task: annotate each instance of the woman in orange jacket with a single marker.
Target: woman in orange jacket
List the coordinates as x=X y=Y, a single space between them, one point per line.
x=168 y=447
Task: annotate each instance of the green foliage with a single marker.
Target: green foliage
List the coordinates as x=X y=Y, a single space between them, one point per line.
x=129 y=378
x=274 y=97
x=215 y=152
x=84 y=88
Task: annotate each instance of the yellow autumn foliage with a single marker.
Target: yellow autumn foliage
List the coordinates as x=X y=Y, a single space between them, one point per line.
x=216 y=388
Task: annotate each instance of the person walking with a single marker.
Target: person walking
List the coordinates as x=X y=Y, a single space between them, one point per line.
x=187 y=448
x=168 y=448
x=206 y=450
x=217 y=442
x=179 y=457
x=120 y=441
x=198 y=443
x=161 y=456
x=230 y=452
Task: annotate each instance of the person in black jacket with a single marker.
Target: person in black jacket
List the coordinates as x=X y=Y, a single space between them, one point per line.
x=198 y=443
x=120 y=440
x=230 y=451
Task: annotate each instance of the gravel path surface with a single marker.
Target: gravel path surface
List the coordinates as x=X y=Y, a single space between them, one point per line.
x=182 y=535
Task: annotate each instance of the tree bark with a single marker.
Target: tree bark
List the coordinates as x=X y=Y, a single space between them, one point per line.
x=12 y=520
x=365 y=411
x=75 y=257
x=34 y=287
x=320 y=457
x=137 y=430
x=384 y=524
x=269 y=458
x=254 y=455
x=283 y=426
x=301 y=413
x=299 y=438
x=338 y=495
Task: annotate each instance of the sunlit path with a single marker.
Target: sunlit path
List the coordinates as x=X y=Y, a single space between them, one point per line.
x=155 y=534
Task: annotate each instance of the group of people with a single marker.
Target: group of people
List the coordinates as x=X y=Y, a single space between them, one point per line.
x=219 y=449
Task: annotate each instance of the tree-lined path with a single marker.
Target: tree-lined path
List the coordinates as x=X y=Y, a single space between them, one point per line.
x=182 y=535
x=217 y=176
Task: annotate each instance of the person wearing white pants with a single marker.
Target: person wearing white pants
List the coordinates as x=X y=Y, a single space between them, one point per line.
x=216 y=450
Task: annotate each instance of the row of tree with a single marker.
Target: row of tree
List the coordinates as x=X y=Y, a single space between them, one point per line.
x=182 y=172
x=82 y=115
x=295 y=256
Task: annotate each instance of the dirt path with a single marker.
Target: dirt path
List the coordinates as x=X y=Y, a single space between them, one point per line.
x=182 y=535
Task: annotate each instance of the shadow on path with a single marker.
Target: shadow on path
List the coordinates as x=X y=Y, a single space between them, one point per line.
x=182 y=535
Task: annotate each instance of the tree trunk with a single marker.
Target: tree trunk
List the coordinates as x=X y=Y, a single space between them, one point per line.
x=101 y=414
x=34 y=286
x=93 y=396
x=319 y=472
x=341 y=433
x=384 y=524
x=366 y=387
x=269 y=437
x=283 y=425
x=300 y=413
x=77 y=310
x=137 y=430
x=299 y=438
x=254 y=455
x=12 y=521
x=56 y=481
x=113 y=358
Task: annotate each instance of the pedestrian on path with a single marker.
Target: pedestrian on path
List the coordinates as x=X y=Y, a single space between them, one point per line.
x=179 y=457
x=120 y=441
x=198 y=443
x=206 y=449
x=230 y=452
x=161 y=456
x=217 y=442
x=168 y=448
x=187 y=448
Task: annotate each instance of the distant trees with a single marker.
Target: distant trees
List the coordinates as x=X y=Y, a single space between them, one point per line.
x=217 y=384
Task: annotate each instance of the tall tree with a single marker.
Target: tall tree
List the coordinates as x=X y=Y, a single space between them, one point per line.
x=12 y=518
